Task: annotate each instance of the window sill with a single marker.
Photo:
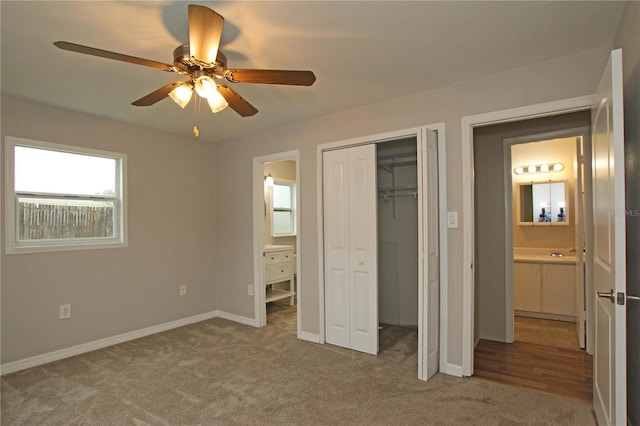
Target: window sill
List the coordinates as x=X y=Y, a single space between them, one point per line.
x=47 y=248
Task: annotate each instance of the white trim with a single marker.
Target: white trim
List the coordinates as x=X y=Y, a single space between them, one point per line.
x=468 y=123
x=260 y=313
x=236 y=318
x=442 y=171
x=452 y=370
x=309 y=337
x=45 y=358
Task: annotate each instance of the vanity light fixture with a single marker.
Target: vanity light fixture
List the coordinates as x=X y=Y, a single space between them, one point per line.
x=538 y=168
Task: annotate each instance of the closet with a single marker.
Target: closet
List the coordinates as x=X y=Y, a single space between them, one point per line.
x=397 y=180
x=381 y=246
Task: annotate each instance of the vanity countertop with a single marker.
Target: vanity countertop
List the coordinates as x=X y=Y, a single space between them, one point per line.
x=543 y=255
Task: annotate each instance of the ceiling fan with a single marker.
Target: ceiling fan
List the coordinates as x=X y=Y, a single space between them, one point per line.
x=204 y=65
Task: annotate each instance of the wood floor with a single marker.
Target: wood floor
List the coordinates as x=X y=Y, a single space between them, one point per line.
x=563 y=371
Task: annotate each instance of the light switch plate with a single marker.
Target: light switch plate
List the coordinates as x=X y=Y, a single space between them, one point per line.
x=452 y=219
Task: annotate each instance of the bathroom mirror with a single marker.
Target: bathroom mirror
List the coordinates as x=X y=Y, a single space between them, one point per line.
x=542 y=203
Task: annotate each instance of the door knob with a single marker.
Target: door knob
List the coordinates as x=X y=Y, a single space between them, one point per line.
x=619 y=298
x=611 y=295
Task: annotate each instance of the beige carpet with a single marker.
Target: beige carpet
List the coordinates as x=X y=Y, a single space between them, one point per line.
x=220 y=372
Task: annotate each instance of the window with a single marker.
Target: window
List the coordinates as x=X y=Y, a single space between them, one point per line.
x=61 y=197
x=283 y=201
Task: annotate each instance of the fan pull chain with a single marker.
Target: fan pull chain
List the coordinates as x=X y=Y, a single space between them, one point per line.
x=196 y=104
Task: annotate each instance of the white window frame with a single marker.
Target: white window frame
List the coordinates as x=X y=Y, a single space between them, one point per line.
x=292 y=184
x=13 y=246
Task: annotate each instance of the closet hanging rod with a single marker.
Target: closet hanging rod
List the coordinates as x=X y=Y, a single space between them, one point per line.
x=398 y=188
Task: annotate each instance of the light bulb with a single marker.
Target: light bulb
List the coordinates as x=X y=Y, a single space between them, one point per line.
x=531 y=169
x=205 y=86
x=519 y=170
x=181 y=94
x=544 y=168
x=557 y=167
x=216 y=101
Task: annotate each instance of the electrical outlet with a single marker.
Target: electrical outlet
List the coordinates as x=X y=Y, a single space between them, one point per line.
x=250 y=290
x=65 y=311
x=183 y=290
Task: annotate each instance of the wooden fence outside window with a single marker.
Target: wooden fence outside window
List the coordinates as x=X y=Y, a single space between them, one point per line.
x=41 y=221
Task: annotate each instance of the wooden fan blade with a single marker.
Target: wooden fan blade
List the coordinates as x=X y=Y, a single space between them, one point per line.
x=157 y=95
x=237 y=102
x=296 y=78
x=78 y=48
x=205 y=30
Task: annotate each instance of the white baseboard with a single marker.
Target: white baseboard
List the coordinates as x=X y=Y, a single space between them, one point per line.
x=36 y=360
x=237 y=318
x=452 y=370
x=309 y=337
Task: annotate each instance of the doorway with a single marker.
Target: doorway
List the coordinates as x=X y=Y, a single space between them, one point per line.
x=277 y=241
x=520 y=286
x=548 y=176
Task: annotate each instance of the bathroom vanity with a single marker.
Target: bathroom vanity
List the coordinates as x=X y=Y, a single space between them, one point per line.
x=544 y=285
x=278 y=273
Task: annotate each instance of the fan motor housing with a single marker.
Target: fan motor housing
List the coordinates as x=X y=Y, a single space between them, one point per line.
x=187 y=64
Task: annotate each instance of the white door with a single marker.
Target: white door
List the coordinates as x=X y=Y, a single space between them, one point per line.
x=609 y=373
x=351 y=248
x=430 y=254
x=580 y=243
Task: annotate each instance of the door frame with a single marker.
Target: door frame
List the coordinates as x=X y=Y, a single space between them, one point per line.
x=578 y=132
x=416 y=132
x=468 y=124
x=260 y=312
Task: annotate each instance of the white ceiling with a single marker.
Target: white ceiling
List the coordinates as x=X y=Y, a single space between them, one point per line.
x=361 y=52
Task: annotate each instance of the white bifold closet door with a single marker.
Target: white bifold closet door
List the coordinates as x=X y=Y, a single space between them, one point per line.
x=351 y=248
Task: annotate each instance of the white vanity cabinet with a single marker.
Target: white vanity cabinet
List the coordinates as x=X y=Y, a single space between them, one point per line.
x=559 y=289
x=278 y=273
x=546 y=290
x=526 y=287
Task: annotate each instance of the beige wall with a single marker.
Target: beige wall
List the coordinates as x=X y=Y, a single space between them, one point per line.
x=565 y=77
x=171 y=185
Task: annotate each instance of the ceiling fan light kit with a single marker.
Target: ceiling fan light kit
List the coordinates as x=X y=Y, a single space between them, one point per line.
x=182 y=94
x=204 y=65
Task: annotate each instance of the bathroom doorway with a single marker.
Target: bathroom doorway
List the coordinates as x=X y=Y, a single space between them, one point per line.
x=277 y=239
x=548 y=238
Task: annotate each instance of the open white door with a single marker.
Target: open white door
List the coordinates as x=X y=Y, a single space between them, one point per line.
x=351 y=248
x=428 y=343
x=609 y=372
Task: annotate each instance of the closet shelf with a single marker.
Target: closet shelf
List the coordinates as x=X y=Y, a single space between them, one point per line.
x=398 y=191
x=389 y=162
